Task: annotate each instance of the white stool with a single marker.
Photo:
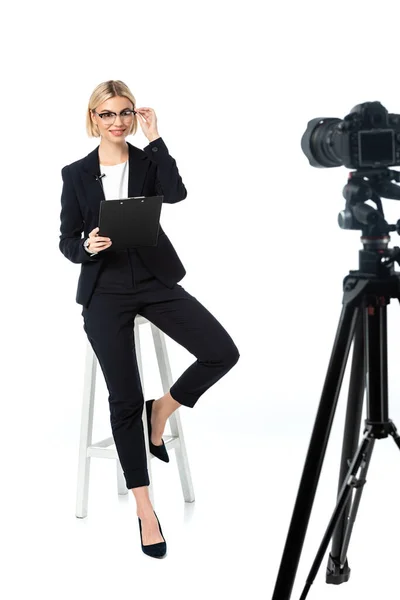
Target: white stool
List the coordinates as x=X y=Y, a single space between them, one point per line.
x=102 y=449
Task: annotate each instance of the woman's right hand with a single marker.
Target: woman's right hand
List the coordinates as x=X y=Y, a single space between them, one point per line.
x=97 y=243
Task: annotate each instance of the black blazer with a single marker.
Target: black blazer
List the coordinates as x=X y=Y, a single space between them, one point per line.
x=152 y=171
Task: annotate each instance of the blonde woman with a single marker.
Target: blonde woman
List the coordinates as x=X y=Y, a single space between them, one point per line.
x=114 y=287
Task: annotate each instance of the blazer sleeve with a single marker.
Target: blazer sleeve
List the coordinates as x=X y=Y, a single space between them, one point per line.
x=168 y=180
x=72 y=224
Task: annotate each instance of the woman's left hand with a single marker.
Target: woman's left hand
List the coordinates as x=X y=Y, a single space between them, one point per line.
x=148 y=122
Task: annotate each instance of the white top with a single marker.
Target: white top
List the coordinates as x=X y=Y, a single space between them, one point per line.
x=115 y=182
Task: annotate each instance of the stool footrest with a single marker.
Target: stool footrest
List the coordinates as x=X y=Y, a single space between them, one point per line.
x=102 y=449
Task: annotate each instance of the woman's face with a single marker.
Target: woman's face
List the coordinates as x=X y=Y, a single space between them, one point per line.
x=117 y=130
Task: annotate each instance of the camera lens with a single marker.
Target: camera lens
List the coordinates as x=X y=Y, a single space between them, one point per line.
x=318 y=142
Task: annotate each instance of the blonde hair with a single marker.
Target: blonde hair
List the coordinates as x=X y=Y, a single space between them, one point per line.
x=104 y=91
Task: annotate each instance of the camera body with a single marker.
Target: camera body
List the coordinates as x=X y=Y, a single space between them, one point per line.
x=367 y=138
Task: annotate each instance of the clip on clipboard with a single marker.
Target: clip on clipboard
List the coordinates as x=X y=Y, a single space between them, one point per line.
x=130 y=222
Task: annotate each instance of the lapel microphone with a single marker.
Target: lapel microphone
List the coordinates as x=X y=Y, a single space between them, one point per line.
x=98 y=177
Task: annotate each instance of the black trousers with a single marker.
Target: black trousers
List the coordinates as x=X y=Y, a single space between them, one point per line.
x=125 y=289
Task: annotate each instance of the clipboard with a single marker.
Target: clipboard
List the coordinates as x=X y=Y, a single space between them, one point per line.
x=130 y=222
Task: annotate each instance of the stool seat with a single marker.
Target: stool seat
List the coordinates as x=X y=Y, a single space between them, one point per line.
x=106 y=448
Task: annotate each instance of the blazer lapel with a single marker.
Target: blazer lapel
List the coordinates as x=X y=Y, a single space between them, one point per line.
x=138 y=167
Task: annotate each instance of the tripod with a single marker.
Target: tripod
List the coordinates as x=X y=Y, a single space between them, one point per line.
x=367 y=292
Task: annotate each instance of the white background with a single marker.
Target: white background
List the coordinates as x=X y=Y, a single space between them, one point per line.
x=233 y=86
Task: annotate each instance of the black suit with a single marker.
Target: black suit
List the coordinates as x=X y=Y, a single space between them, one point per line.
x=151 y=171
x=116 y=286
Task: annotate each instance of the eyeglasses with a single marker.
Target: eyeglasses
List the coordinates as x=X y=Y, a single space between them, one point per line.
x=109 y=117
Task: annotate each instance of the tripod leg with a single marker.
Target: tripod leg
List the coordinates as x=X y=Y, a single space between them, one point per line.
x=363 y=455
x=316 y=453
x=337 y=571
x=395 y=435
x=354 y=507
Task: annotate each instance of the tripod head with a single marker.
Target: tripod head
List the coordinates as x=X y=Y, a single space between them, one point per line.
x=371 y=184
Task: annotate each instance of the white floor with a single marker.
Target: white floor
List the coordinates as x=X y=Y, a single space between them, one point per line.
x=227 y=544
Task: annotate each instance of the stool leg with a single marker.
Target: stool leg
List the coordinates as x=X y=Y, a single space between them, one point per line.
x=174 y=419
x=144 y=415
x=86 y=432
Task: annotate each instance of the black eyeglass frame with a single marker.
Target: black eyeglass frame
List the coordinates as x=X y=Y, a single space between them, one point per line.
x=113 y=113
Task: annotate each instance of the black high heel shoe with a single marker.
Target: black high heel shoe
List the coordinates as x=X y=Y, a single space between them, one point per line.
x=157 y=550
x=158 y=451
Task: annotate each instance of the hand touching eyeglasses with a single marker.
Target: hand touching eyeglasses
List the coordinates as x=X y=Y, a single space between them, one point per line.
x=148 y=122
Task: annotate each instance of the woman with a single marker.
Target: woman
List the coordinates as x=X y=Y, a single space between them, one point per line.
x=114 y=287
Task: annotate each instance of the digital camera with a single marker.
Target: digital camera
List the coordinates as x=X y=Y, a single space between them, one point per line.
x=367 y=138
